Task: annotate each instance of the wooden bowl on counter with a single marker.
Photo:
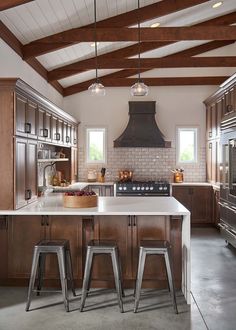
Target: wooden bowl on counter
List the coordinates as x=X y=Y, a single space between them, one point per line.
x=80 y=201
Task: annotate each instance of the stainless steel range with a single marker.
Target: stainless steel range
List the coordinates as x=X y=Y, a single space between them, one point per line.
x=143 y=188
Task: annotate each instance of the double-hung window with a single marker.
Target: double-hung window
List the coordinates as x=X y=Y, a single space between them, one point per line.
x=96 y=145
x=187 y=145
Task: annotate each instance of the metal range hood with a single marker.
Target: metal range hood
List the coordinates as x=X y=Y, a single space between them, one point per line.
x=142 y=129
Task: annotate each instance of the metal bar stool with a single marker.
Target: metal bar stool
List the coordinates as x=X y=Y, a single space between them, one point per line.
x=62 y=249
x=154 y=247
x=102 y=247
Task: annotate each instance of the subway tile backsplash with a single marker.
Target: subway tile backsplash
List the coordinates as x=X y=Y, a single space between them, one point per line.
x=147 y=164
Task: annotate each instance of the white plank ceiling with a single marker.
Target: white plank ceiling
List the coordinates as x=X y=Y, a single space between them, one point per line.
x=41 y=18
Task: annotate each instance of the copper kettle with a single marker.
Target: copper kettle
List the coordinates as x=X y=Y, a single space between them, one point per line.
x=125 y=176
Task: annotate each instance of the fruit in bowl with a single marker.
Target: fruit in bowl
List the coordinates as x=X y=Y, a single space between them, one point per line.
x=80 y=193
x=80 y=199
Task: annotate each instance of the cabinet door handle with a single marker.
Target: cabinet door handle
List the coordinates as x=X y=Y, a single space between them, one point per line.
x=3 y=223
x=57 y=136
x=210 y=134
x=75 y=141
x=27 y=127
x=67 y=139
x=28 y=194
x=210 y=146
x=129 y=222
x=229 y=108
x=47 y=220
x=134 y=220
x=42 y=220
x=45 y=132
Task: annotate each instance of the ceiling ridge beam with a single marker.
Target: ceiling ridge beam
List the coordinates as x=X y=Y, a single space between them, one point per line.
x=68 y=70
x=162 y=8
x=9 y=38
x=160 y=81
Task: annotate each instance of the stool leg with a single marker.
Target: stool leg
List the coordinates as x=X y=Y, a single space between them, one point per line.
x=70 y=271
x=90 y=278
x=141 y=263
x=41 y=268
x=62 y=271
x=115 y=264
x=88 y=264
x=32 y=277
x=120 y=274
x=170 y=279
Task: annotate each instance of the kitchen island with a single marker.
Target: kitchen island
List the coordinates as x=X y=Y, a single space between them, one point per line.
x=126 y=220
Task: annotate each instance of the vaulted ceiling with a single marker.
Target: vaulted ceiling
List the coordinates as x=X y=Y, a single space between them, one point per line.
x=193 y=45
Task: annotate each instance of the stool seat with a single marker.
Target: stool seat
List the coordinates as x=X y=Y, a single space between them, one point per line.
x=156 y=244
x=96 y=247
x=55 y=242
x=102 y=243
x=60 y=247
x=159 y=247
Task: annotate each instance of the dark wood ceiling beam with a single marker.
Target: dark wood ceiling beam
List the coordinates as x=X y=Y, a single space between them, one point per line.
x=7 y=36
x=132 y=50
x=164 y=62
x=165 y=81
x=129 y=51
x=7 y=4
x=62 y=39
x=146 y=35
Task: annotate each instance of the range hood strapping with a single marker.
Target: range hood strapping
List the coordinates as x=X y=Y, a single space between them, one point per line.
x=142 y=129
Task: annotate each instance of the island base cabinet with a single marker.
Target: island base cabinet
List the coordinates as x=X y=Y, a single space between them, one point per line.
x=20 y=234
x=23 y=233
x=128 y=231
x=64 y=227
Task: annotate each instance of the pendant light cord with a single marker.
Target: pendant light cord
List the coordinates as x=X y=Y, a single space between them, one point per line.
x=95 y=39
x=139 y=37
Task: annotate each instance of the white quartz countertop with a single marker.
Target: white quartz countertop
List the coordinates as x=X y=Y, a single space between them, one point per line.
x=52 y=204
x=82 y=185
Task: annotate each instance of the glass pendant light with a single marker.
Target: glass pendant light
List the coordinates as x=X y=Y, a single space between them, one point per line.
x=139 y=88
x=96 y=88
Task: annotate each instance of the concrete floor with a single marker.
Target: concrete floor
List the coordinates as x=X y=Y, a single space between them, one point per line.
x=213 y=300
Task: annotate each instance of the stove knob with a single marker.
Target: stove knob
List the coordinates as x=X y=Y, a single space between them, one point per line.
x=165 y=188
x=120 y=188
x=134 y=188
x=147 y=188
x=151 y=188
x=125 y=188
x=160 y=188
x=142 y=188
x=138 y=188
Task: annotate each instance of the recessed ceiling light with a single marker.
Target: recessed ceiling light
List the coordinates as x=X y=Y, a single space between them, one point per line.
x=155 y=25
x=217 y=4
x=93 y=44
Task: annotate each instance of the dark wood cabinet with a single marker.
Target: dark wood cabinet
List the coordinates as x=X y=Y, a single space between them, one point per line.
x=3 y=246
x=21 y=112
x=198 y=200
x=25 y=172
x=230 y=100
x=74 y=135
x=26 y=117
x=23 y=233
x=65 y=227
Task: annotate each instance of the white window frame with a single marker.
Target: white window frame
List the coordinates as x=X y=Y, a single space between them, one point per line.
x=196 y=144
x=92 y=129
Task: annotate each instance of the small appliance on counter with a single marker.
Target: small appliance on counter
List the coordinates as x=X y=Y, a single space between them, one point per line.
x=92 y=175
